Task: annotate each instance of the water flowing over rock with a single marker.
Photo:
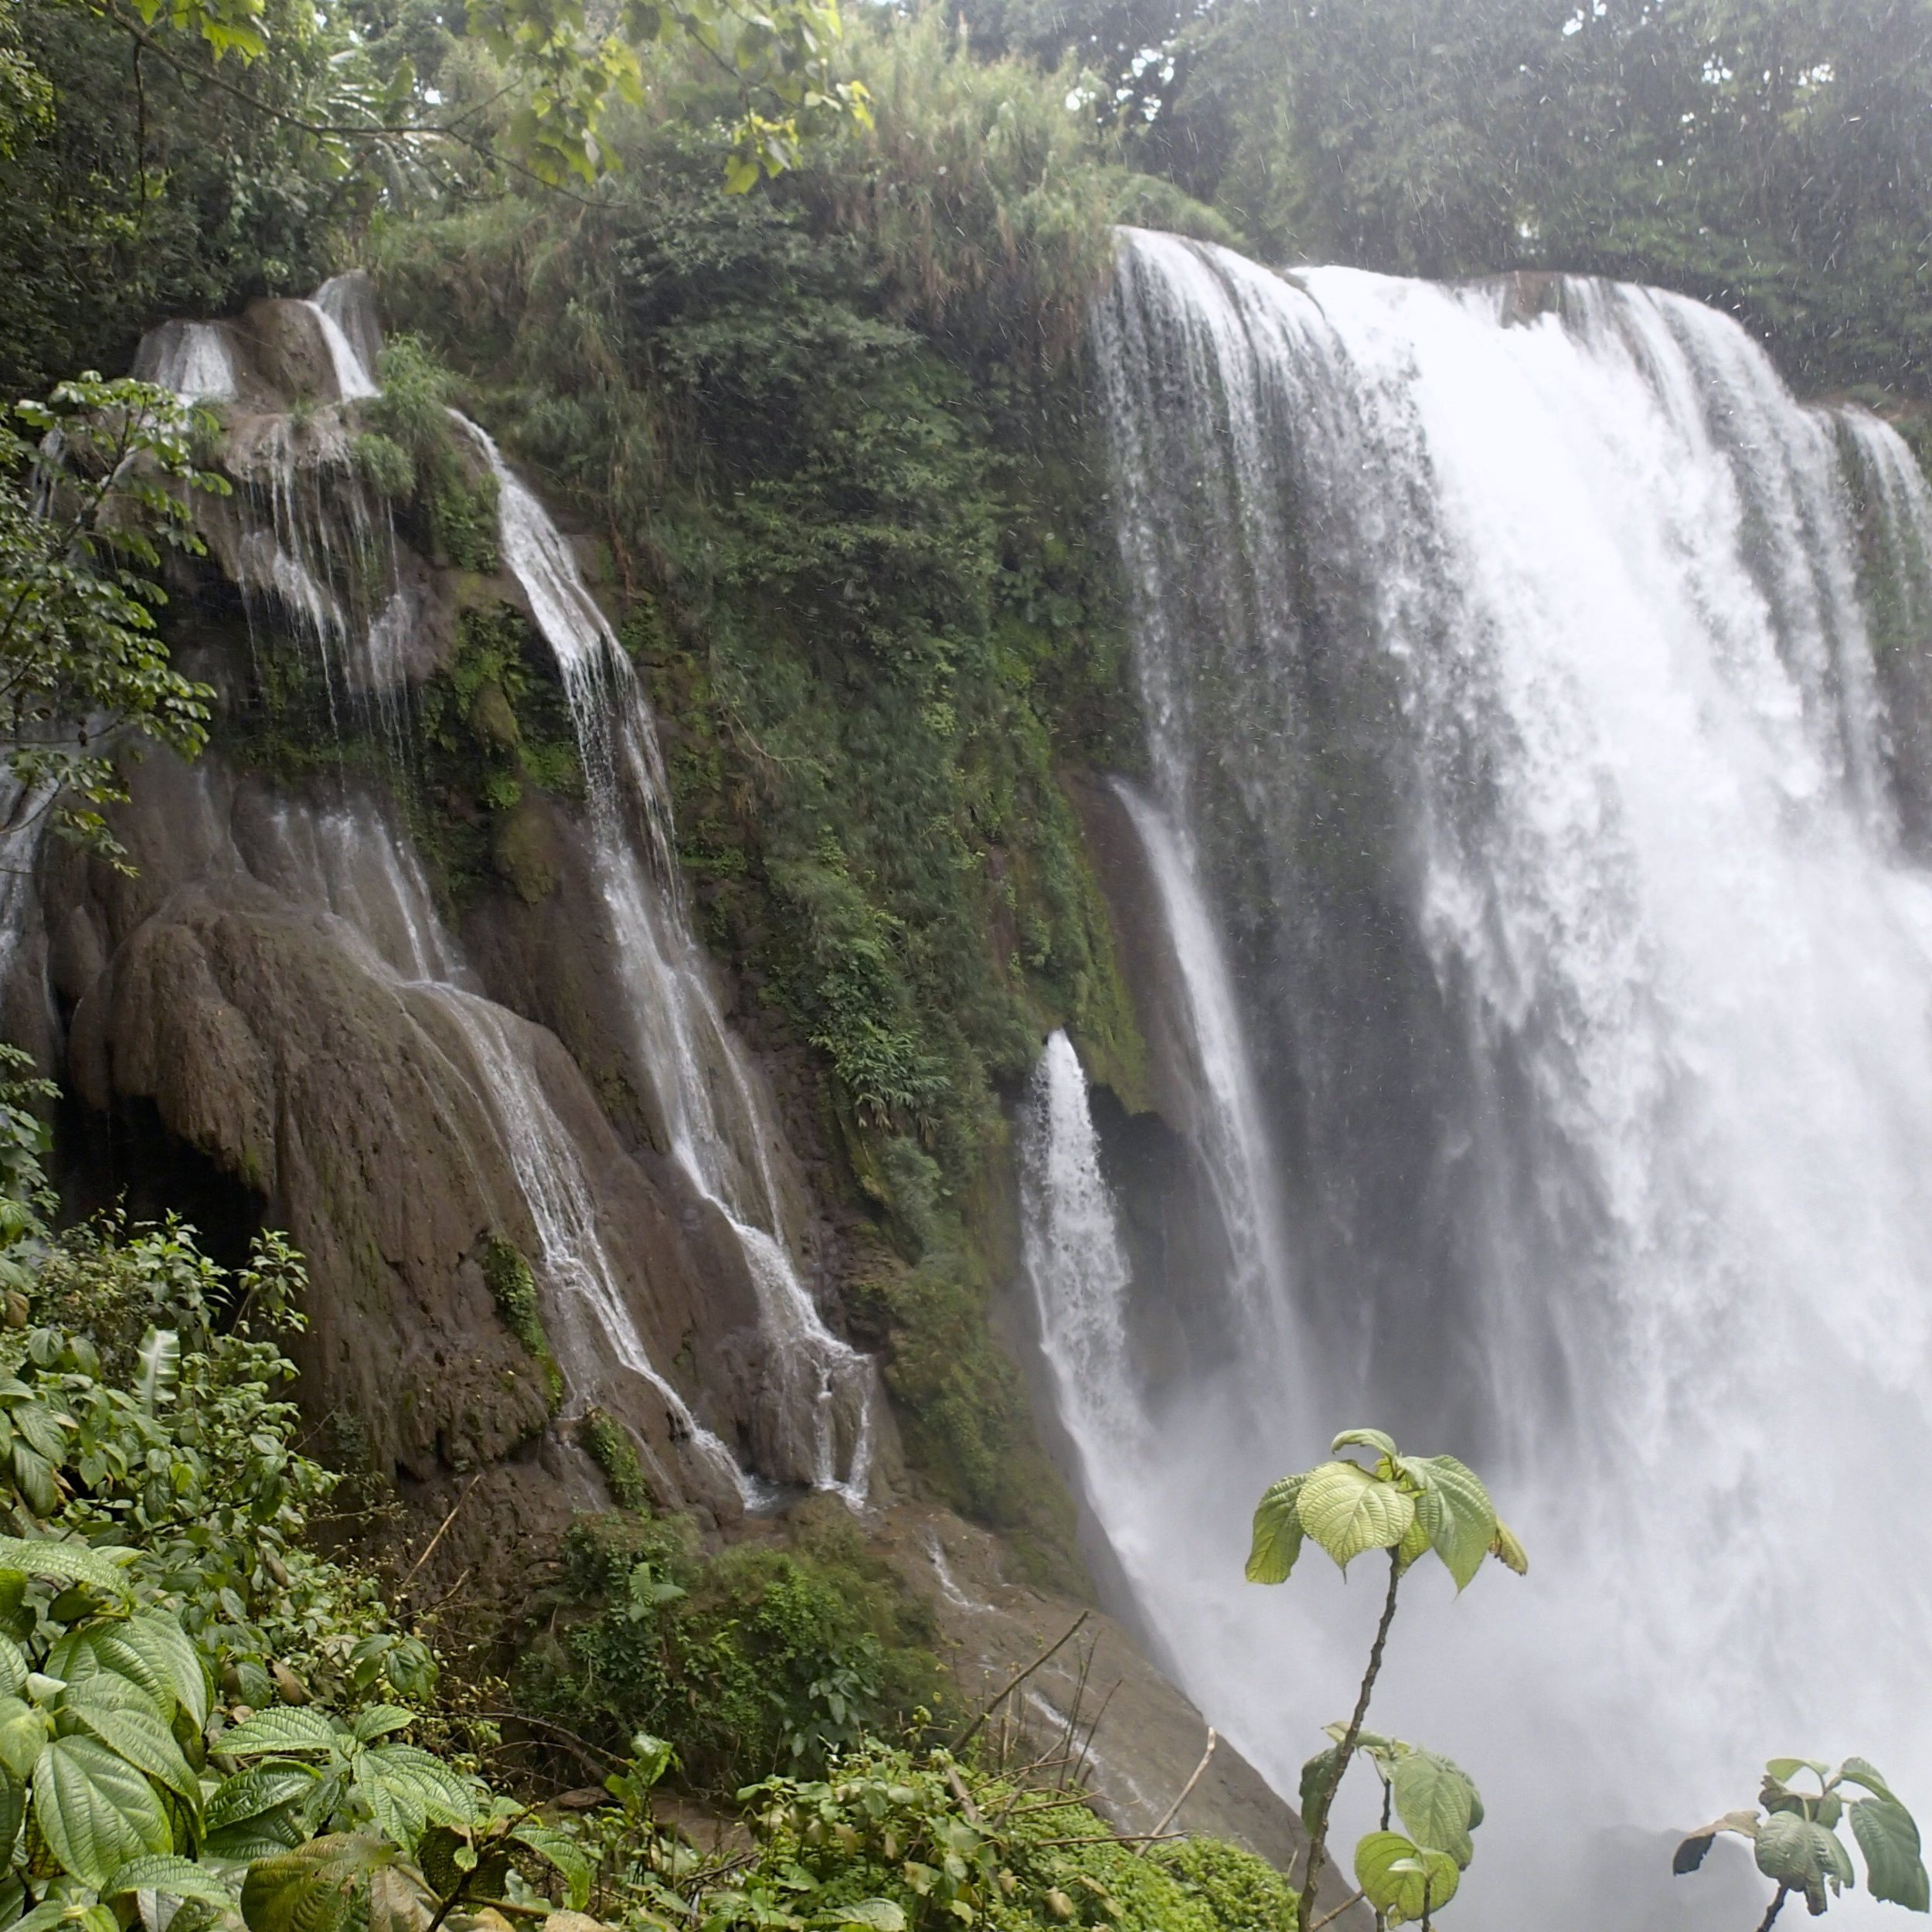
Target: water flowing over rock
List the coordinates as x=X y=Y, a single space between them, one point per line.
x=1533 y=693
x=280 y=985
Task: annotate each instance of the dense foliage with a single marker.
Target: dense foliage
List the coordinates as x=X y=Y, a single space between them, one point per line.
x=85 y=517
x=753 y=1661
x=1773 y=157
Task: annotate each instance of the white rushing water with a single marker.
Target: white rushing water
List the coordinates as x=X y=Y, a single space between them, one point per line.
x=1532 y=689
x=820 y=1393
x=311 y=544
x=347 y=861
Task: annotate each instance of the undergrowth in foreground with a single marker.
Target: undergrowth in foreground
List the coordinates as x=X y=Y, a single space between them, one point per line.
x=196 y=1708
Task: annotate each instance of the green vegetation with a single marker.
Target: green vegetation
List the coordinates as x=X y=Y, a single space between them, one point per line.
x=513 y=1288
x=1770 y=157
x=608 y=1443
x=750 y=1661
x=86 y=517
x=1796 y=1841
x=1407 y=1506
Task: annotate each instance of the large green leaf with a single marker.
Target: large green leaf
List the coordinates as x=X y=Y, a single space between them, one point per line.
x=1854 y=1770
x=157 y=1368
x=68 y=1562
x=133 y=1731
x=23 y=1731
x=378 y=1720
x=180 y=1878
x=153 y=1649
x=1401 y=1879
x=251 y=1794
x=1455 y=1508
x=393 y=1802
x=1277 y=1533
x=72 y=1915
x=1437 y=1801
x=313 y=1888
x=281 y=1728
x=1347 y=1511
x=95 y=1810
x=444 y=1795
x=872 y=1915
x=569 y=1857
x=1889 y=1840
x=1793 y=1851
x=13 y=1667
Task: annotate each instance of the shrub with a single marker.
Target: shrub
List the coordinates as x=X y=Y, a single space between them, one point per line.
x=750 y=1661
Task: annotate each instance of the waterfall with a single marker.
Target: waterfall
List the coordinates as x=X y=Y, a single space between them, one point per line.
x=709 y=1097
x=1535 y=693
x=312 y=542
x=1078 y=1271
x=346 y=860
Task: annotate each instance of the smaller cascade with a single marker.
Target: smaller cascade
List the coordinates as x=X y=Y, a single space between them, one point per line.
x=196 y=360
x=1079 y=1273
x=348 y=862
x=306 y=541
x=709 y=1097
x=1233 y=1140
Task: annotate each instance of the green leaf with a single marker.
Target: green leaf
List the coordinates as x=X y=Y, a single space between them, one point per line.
x=13 y=1667
x=251 y=1794
x=877 y=1915
x=13 y=1813
x=447 y=1797
x=393 y=1802
x=23 y=1732
x=136 y=1733
x=1401 y=1879
x=564 y=1852
x=1854 y=1770
x=1785 y=1769
x=1365 y=1438
x=1455 y=1508
x=96 y=1810
x=157 y=1367
x=151 y=1648
x=1277 y=1533
x=180 y=1878
x=313 y=1888
x=1347 y=1511
x=1793 y=1851
x=1319 y=1776
x=1893 y=1869
x=380 y=1720
x=68 y=1562
x=280 y=1729
x=1437 y=1800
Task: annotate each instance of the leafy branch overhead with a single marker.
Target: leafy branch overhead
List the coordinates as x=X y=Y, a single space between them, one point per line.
x=567 y=67
x=1796 y=1843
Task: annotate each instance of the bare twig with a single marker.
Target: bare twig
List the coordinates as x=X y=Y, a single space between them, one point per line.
x=1014 y=1682
x=1328 y=1918
x=429 y=1548
x=1186 y=1789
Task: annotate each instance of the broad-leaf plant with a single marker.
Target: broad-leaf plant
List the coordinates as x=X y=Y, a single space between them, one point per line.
x=1795 y=1837
x=1408 y=1505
